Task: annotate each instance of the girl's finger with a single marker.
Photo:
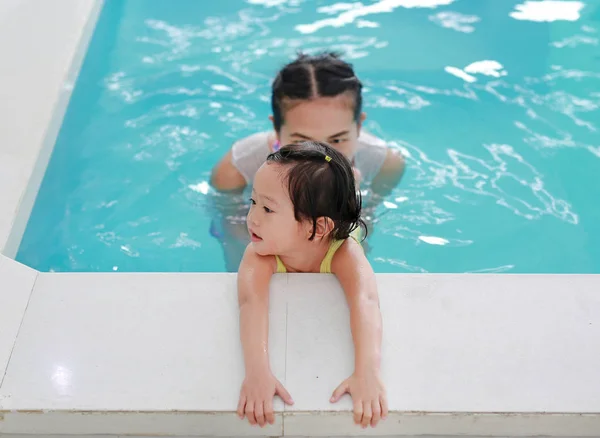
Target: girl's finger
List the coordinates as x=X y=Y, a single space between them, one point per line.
x=282 y=392
x=241 y=406
x=384 y=406
x=358 y=411
x=250 y=412
x=367 y=414
x=376 y=409
x=269 y=414
x=339 y=392
x=259 y=413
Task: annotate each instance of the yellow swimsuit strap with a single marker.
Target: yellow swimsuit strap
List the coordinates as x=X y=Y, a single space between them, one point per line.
x=280 y=266
x=326 y=263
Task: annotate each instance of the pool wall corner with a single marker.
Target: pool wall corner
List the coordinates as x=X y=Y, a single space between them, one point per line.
x=43 y=45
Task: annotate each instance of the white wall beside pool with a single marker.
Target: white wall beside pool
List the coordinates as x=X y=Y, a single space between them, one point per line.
x=42 y=44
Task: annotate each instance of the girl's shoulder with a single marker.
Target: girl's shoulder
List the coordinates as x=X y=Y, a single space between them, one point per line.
x=263 y=264
x=349 y=255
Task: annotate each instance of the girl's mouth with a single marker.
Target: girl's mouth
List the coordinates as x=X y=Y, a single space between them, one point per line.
x=255 y=237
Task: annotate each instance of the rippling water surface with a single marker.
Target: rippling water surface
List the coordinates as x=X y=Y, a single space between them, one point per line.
x=495 y=104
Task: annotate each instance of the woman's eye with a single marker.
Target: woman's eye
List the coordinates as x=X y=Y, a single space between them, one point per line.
x=337 y=141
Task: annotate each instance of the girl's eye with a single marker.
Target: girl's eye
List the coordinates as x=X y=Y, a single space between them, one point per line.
x=252 y=201
x=337 y=141
x=268 y=210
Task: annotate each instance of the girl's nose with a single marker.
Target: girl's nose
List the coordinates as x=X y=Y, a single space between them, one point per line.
x=251 y=218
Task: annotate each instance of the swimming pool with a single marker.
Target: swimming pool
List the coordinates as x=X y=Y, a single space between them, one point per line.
x=494 y=103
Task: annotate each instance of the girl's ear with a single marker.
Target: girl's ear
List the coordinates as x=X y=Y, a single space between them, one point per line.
x=324 y=227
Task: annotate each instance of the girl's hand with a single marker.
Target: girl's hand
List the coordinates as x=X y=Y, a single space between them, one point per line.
x=368 y=395
x=256 y=398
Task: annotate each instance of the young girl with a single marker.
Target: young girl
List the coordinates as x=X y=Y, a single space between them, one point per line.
x=313 y=98
x=304 y=213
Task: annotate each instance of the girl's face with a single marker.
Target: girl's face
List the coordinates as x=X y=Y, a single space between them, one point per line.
x=271 y=223
x=325 y=119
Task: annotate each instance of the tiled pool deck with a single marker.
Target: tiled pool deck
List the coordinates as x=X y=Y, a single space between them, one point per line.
x=159 y=355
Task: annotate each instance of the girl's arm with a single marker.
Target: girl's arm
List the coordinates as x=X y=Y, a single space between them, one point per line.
x=357 y=278
x=253 y=280
x=259 y=387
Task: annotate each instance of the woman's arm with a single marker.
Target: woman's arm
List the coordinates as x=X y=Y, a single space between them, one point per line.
x=259 y=387
x=225 y=176
x=389 y=176
x=357 y=278
x=251 y=151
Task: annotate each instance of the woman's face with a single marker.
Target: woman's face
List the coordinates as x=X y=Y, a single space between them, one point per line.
x=325 y=119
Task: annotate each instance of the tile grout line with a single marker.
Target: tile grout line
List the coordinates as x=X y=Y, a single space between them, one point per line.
x=287 y=280
x=19 y=330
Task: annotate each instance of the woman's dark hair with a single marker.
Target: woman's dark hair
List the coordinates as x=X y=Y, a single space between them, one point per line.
x=321 y=183
x=312 y=76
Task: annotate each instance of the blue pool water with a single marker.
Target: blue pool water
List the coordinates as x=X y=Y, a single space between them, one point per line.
x=495 y=103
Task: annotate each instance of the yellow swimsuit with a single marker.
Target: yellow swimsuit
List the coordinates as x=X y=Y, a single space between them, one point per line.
x=326 y=263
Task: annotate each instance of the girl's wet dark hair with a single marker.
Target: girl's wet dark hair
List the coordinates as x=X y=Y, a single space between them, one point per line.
x=321 y=187
x=312 y=76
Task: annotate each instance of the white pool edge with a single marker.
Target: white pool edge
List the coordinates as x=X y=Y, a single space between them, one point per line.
x=72 y=43
x=469 y=355
x=18 y=284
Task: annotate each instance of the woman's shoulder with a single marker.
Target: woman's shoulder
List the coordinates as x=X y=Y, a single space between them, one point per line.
x=370 y=155
x=260 y=140
x=368 y=140
x=249 y=153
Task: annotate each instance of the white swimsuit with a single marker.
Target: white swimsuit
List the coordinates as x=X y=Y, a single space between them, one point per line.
x=249 y=153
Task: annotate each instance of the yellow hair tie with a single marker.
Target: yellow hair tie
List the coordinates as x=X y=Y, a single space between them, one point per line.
x=327 y=158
